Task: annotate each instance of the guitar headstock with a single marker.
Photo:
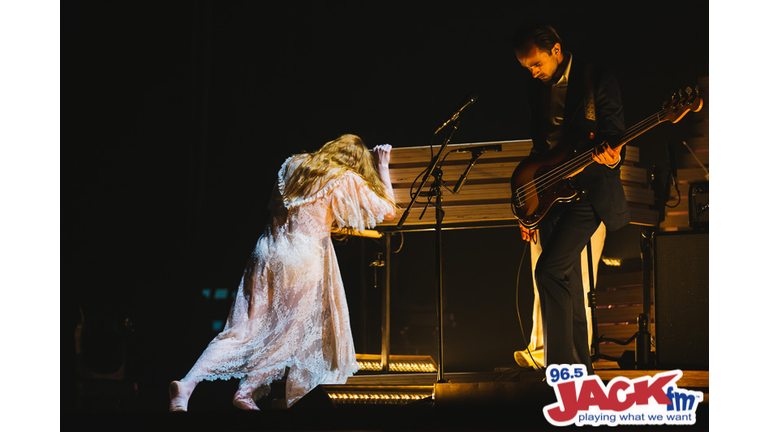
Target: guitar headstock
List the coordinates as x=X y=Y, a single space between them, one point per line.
x=681 y=104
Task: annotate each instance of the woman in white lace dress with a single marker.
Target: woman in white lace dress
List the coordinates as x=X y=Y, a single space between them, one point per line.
x=290 y=312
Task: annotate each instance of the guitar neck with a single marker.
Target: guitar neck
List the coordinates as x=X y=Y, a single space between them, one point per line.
x=635 y=131
x=618 y=142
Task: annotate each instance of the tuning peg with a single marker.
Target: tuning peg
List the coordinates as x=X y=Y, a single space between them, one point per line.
x=690 y=97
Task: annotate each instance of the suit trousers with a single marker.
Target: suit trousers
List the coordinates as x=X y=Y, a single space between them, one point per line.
x=533 y=354
x=564 y=232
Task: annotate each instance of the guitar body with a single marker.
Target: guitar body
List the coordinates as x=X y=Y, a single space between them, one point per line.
x=535 y=189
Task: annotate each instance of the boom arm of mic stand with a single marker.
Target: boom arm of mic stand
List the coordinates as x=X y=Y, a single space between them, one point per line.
x=456 y=115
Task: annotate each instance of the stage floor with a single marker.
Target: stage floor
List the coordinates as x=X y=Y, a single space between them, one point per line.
x=506 y=399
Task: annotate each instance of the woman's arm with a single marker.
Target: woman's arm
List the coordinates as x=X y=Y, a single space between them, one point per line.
x=381 y=154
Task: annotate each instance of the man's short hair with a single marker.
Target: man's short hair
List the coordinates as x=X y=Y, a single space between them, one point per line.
x=542 y=35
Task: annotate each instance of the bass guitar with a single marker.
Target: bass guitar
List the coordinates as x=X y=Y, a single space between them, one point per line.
x=540 y=181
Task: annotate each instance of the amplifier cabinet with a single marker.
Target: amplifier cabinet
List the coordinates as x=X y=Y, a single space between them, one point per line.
x=681 y=299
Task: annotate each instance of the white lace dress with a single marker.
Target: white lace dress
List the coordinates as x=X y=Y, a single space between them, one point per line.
x=291 y=309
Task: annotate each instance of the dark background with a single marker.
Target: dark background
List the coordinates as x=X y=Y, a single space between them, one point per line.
x=179 y=114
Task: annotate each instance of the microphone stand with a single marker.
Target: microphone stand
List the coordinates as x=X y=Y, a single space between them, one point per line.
x=435 y=191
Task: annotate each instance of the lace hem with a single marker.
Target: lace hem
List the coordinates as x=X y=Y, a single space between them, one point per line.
x=339 y=376
x=263 y=387
x=266 y=386
x=222 y=377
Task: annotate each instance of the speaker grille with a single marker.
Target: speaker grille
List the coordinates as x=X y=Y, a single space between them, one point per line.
x=681 y=295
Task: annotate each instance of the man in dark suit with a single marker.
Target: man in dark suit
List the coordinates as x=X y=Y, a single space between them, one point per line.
x=571 y=101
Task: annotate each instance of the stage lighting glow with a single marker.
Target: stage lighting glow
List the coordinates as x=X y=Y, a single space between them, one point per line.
x=397 y=363
x=397 y=395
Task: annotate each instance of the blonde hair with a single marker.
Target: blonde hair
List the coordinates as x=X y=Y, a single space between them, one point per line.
x=347 y=152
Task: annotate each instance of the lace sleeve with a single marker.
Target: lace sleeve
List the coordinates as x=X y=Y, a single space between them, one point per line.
x=356 y=206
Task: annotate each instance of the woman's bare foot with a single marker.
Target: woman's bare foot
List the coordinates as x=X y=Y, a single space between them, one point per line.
x=245 y=401
x=180 y=391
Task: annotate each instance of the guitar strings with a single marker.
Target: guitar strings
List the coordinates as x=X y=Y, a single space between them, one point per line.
x=561 y=172
x=584 y=159
x=567 y=166
x=628 y=135
x=564 y=171
x=579 y=162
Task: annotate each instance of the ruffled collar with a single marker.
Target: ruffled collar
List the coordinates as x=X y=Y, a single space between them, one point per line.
x=320 y=190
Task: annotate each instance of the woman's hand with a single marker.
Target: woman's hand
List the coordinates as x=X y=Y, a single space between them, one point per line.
x=381 y=155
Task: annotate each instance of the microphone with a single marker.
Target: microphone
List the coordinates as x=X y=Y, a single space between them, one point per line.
x=455 y=116
x=476 y=153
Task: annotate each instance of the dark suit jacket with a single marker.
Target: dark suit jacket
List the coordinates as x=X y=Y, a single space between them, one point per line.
x=603 y=185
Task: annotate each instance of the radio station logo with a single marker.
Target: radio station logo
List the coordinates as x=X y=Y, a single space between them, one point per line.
x=585 y=400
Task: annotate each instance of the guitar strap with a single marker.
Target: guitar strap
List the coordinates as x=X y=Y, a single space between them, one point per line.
x=589 y=100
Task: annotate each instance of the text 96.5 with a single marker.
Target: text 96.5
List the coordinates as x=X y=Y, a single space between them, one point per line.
x=562 y=373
